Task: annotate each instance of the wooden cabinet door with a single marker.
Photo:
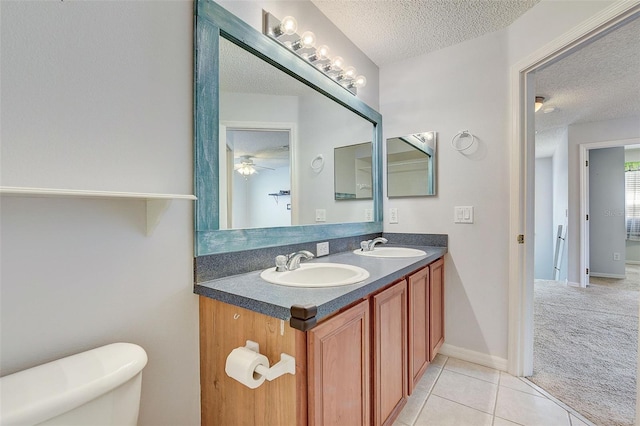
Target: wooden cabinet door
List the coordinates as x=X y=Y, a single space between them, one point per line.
x=339 y=369
x=436 y=307
x=390 y=374
x=418 y=326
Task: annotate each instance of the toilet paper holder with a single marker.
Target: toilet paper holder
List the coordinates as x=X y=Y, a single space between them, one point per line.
x=287 y=363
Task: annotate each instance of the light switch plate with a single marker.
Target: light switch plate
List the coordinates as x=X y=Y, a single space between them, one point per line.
x=321 y=215
x=463 y=214
x=368 y=215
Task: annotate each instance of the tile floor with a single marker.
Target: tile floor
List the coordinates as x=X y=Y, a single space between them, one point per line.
x=459 y=393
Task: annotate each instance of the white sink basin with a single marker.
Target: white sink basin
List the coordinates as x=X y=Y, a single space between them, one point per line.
x=391 y=252
x=317 y=275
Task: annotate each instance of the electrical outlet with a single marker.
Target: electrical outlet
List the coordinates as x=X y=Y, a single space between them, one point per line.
x=321 y=215
x=322 y=249
x=393 y=215
x=616 y=256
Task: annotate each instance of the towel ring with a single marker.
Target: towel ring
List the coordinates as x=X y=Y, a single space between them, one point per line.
x=462 y=134
x=317 y=163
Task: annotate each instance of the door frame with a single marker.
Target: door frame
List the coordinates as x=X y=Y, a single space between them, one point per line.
x=520 y=329
x=264 y=126
x=584 y=198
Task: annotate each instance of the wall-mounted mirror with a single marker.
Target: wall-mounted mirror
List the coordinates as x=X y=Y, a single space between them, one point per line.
x=263 y=117
x=352 y=172
x=411 y=165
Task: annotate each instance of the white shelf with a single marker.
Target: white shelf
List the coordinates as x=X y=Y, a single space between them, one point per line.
x=157 y=204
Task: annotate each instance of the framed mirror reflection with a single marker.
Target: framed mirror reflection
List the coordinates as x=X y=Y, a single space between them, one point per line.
x=273 y=126
x=411 y=165
x=263 y=116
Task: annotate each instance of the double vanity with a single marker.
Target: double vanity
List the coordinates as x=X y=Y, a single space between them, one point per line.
x=359 y=347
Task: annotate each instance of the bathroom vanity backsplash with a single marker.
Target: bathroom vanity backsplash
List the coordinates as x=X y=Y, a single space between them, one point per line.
x=214 y=266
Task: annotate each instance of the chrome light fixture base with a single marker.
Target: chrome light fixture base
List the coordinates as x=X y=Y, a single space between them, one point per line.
x=316 y=57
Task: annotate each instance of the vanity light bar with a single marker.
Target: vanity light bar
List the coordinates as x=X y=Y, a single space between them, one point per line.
x=284 y=32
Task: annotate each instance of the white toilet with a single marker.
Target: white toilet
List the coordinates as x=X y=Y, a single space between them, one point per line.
x=97 y=387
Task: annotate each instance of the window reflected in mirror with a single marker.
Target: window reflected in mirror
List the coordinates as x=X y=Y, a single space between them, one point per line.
x=411 y=165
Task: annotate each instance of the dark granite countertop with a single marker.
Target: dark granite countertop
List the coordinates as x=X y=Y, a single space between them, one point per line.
x=252 y=292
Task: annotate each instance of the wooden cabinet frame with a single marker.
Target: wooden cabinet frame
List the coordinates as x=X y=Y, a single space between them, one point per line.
x=339 y=354
x=389 y=332
x=365 y=334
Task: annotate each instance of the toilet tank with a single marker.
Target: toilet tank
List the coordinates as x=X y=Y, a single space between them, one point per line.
x=97 y=387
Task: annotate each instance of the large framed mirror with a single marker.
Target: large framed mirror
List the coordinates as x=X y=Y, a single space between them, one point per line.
x=266 y=125
x=411 y=165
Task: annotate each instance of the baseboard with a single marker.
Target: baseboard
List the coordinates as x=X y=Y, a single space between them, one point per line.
x=473 y=356
x=599 y=275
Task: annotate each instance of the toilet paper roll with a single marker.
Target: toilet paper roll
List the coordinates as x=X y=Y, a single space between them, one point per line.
x=241 y=365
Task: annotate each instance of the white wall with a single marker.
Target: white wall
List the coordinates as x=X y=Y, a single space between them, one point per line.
x=461 y=87
x=98 y=95
x=467 y=87
x=544 y=232
x=324 y=127
x=612 y=130
x=252 y=107
x=257 y=209
x=607 y=231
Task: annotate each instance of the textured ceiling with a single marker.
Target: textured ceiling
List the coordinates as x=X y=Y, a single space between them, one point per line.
x=600 y=81
x=392 y=30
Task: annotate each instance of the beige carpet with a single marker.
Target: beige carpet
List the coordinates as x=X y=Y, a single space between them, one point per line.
x=585 y=346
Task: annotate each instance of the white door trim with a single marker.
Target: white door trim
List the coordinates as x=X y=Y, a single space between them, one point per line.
x=520 y=347
x=584 y=199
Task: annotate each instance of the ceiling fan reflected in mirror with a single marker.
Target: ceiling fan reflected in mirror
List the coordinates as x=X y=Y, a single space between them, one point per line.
x=247 y=167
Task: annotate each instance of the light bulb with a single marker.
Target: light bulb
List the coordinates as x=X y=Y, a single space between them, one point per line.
x=321 y=54
x=337 y=62
x=246 y=170
x=360 y=81
x=323 y=51
x=349 y=72
x=308 y=39
x=289 y=25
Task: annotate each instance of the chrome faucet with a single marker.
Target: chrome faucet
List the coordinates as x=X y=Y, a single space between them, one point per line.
x=292 y=262
x=370 y=244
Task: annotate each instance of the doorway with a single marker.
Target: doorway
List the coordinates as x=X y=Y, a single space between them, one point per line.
x=255 y=174
x=586 y=338
x=520 y=350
